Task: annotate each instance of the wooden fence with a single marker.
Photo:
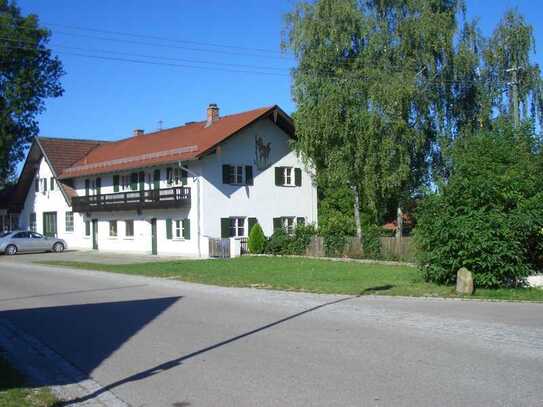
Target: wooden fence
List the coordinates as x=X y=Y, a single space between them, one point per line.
x=391 y=249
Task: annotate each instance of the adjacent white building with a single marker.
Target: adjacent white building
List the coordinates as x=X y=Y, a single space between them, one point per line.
x=171 y=192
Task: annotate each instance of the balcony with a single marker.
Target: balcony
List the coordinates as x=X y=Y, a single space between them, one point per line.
x=178 y=197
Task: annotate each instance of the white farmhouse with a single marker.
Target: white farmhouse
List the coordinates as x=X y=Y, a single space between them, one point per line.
x=170 y=192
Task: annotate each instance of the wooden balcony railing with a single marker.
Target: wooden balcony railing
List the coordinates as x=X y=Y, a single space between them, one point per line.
x=177 y=197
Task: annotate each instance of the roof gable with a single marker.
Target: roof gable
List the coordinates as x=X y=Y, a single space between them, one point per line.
x=59 y=154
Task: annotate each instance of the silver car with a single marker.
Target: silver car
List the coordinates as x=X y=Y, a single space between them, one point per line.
x=25 y=241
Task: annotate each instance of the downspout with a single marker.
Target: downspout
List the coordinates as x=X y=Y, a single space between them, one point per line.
x=198 y=178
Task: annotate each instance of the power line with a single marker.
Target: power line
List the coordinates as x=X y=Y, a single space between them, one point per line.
x=154 y=44
x=154 y=56
x=147 y=36
x=135 y=35
x=137 y=61
x=260 y=70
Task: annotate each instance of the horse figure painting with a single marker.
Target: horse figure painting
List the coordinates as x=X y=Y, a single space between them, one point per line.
x=262 y=151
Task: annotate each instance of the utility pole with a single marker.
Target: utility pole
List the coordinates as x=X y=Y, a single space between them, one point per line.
x=514 y=85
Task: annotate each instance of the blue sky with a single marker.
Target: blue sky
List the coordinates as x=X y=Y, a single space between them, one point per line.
x=107 y=99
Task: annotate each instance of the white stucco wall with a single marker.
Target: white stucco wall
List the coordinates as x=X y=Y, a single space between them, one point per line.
x=51 y=201
x=264 y=200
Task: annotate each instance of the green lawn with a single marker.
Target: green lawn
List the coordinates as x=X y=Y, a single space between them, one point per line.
x=299 y=274
x=15 y=393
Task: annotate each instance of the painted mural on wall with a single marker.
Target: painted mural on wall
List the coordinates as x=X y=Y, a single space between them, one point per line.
x=262 y=152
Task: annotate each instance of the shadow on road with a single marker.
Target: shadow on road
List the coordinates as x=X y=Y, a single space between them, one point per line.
x=178 y=361
x=87 y=334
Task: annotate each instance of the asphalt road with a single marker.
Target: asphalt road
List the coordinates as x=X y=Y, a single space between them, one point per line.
x=165 y=343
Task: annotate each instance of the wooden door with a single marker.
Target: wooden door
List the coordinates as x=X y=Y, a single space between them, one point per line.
x=50 y=224
x=154 y=248
x=95 y=234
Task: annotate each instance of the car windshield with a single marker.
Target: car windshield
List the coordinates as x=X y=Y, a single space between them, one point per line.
x=4 y=234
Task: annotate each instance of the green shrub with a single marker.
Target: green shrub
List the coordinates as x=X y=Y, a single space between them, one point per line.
x=301 y=239
x=371 y=242
x=488 y=216
x=257 y=240
x=278 y=243
x=295 y=244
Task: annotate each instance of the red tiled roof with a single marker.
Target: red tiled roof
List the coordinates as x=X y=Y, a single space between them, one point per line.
x=176 y=144
x=62 y=153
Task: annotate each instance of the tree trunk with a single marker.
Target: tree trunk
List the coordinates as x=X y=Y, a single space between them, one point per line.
x=356 y=208
x=399 y=223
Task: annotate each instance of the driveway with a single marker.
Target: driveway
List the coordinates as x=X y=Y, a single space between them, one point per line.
x=88 y=256
x=158 y=342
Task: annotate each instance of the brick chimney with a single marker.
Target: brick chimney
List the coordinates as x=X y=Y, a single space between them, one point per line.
x=138 y=132
x=212 y=114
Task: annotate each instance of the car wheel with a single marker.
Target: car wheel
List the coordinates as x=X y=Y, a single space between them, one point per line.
x=58 y=248
x=11 y=250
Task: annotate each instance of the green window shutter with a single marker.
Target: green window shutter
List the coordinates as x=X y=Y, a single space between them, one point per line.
x=225 y=228
x=133 y=181
x=98 y=186
x=298 y=177
x=184 y=176
x=52 y=184
x=87 y=187
x=141 y=179
x=251 y=223
x=249 y=175
x=169 y=233
x=37 y=185
x=277 y=224
x=279 y=176
x=300 y=221
x=169 y=175
x=226 y=174
x=116 y=182
x=186 y=229
x=156 y=179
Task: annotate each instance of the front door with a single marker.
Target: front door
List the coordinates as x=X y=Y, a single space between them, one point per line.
x=95 y=234
x=50 y=224
x=154 y=249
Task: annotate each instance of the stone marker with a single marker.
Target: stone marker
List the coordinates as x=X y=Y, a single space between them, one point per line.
x=464 y=281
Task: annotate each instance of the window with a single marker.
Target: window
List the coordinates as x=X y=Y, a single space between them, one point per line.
x=237 y=174
x=22 y=235
x=129 y=228
x=112 y=228
x=69 y=221
x=36 y=235
x=288 y=176
x=37 y=185
x=87 y=228
x=237 y=227
x=44 y=185
x=176 y=176
x=234 y=174
x=178 y=229
x=125 y=182
x=52 y=184
x=288 y=224
x=33 y=226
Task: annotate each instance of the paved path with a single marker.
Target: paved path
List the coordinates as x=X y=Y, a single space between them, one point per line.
x=163 y=343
